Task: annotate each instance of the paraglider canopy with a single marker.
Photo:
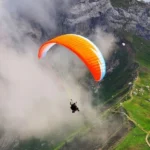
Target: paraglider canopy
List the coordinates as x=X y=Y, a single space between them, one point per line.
x=87 y=51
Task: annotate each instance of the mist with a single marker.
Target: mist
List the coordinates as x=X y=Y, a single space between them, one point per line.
x=106 y=42
x=35 y=94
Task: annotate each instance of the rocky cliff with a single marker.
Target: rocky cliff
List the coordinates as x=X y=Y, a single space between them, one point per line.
x=87 y=14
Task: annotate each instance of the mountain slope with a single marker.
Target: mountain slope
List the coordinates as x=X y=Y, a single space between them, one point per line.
x=88 y=14
x=139 y=105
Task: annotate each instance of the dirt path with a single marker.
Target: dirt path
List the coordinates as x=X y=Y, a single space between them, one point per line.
x=147 y=132
x=146 y=139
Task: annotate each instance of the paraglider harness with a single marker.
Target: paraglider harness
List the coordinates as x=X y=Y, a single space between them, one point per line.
x=74 y=107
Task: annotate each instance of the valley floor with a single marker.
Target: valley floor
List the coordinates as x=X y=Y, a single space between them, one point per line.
x=138 y=106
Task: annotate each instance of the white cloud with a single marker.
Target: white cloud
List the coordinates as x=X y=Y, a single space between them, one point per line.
x=34 y=99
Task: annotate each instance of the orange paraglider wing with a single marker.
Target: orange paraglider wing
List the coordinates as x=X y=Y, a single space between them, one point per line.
x=83 y=48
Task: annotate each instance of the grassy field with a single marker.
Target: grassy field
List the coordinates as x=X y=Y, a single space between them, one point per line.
x=135 y=140
x=138 y=107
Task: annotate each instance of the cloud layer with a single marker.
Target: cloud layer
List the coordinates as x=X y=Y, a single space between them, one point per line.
x=34 y=98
